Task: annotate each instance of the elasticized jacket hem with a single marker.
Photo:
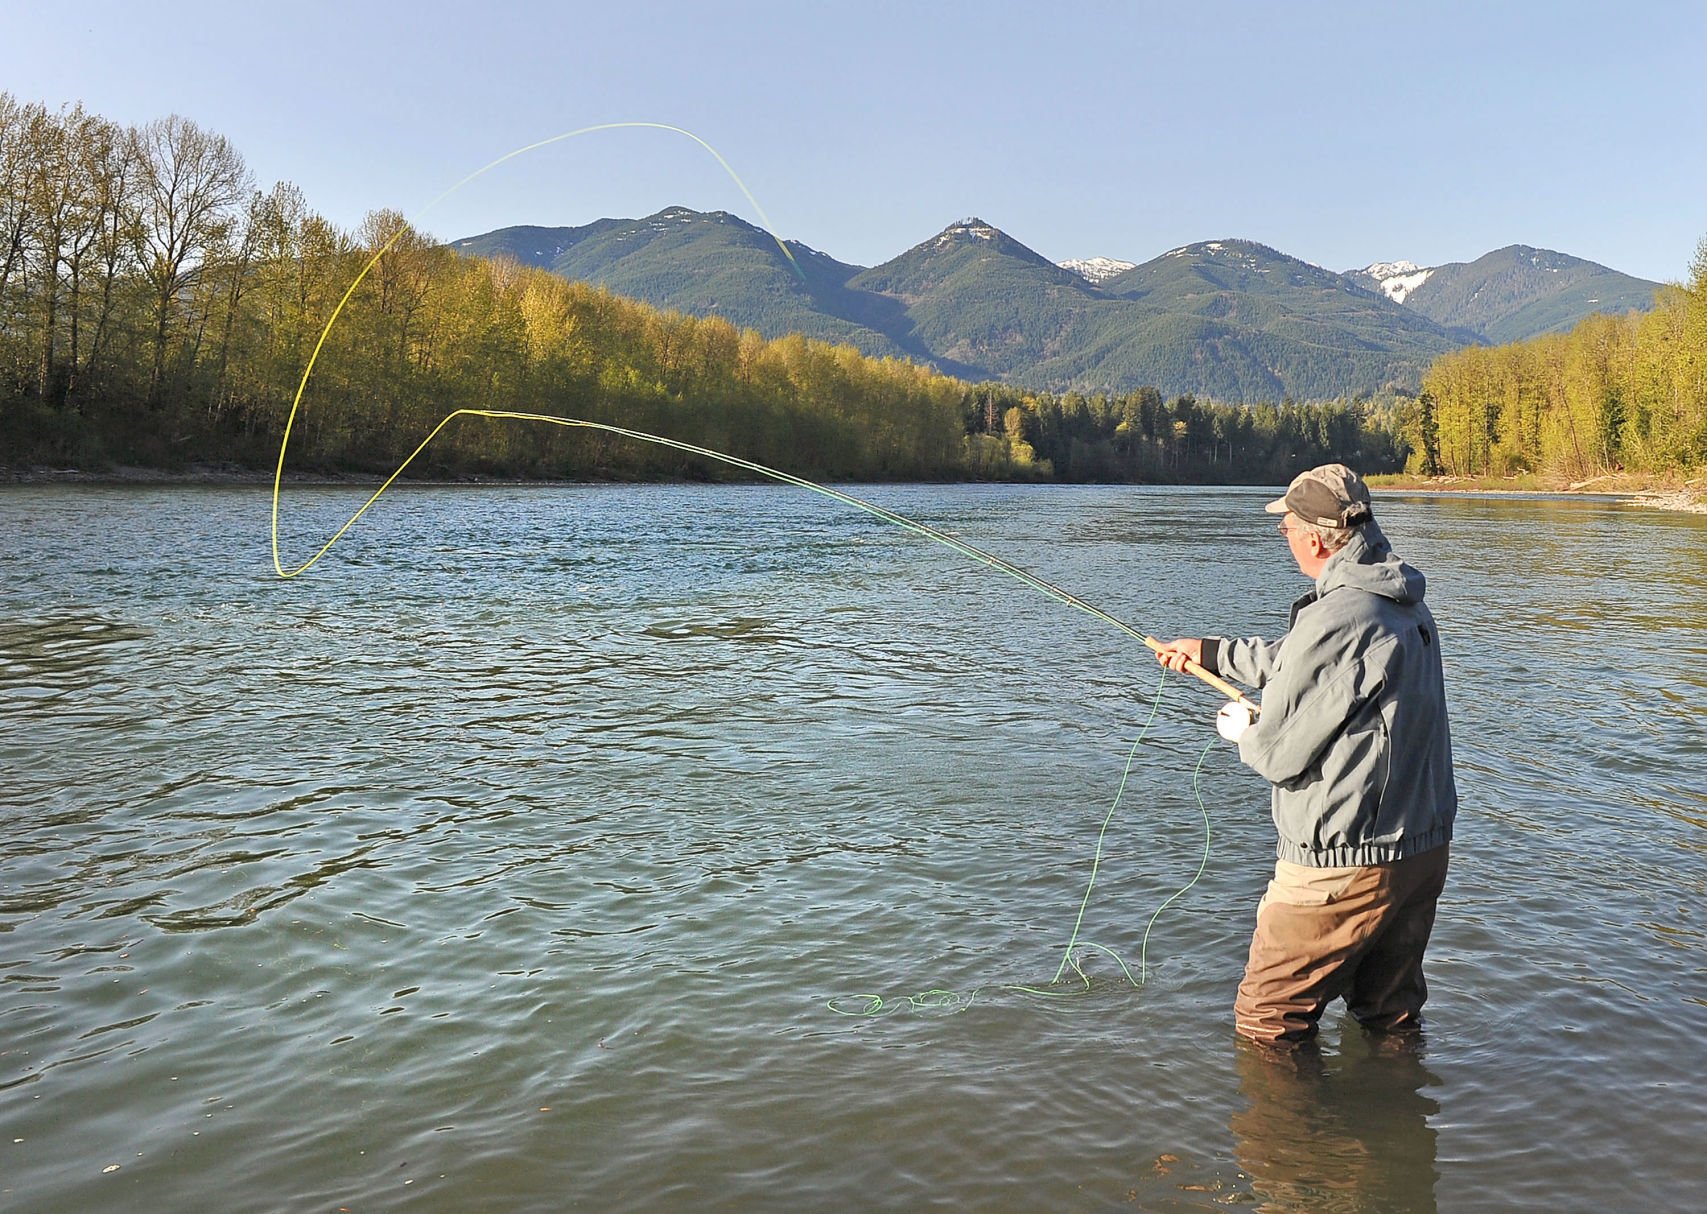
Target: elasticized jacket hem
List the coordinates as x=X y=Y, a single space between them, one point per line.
x=1365 y=854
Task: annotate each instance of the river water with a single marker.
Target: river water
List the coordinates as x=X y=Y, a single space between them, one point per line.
x=672 y=847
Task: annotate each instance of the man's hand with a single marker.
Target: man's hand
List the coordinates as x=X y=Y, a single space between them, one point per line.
x=1175 y=654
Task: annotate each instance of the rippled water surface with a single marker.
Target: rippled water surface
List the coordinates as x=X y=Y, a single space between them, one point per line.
x=536 y=850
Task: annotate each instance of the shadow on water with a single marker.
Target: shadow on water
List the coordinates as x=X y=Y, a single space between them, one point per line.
x=36 y=651
x=1343 y=1135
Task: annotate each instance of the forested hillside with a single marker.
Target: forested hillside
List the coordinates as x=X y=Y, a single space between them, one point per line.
x=1519 y=292
x=1231 y=320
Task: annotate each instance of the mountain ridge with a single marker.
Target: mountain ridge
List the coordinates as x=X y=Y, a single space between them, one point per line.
x=1228 y=319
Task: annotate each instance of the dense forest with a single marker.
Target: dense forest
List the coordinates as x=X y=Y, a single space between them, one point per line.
x=157 y=309
x=1615 y=394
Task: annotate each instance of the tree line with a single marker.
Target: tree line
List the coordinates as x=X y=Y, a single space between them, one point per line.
x=1615 y=394
x=158 y=309
x=1140 y=437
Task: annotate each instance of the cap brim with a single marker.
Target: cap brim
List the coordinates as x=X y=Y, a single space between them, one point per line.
x=1277 y=506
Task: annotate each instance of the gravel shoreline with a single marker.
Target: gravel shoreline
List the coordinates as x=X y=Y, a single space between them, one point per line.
x=1688 y=498
x=1691 y=501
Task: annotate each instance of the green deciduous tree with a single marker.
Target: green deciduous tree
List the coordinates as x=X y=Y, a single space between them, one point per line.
x=190 y=185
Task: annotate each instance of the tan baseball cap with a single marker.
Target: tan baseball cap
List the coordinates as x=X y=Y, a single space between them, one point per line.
x=1329 y=496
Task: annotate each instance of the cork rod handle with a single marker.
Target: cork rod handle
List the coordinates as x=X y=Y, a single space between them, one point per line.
x=1215 y=681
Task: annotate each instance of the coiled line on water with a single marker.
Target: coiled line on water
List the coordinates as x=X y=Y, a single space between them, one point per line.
x=938 y=999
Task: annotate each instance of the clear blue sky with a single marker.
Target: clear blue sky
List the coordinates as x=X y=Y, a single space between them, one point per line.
x=1339 y=132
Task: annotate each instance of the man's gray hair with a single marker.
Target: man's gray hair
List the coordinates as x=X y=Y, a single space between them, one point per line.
x=1333 y=538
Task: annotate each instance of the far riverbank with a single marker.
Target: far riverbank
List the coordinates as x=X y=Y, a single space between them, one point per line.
x=1683 y=493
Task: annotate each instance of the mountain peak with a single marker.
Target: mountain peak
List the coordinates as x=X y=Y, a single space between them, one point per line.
x=1218 y=248
x=1387 y=269
x=689 y=215
x=1541 y=259
x=1246 y=254
x=974 y=237
x=970 y=228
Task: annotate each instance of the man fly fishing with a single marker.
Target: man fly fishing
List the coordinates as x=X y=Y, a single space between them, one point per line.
x=1353 y=736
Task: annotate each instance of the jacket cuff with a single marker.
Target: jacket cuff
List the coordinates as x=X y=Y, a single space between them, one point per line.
x=1211 y=655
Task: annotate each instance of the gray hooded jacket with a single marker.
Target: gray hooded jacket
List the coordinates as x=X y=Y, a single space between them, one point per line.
x=1353 y=731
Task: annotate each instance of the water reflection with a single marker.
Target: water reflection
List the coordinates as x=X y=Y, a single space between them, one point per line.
x=1348 y=1135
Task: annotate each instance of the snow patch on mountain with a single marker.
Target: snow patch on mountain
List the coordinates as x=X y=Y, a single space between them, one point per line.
x=1096 y=269
x=1397 y=279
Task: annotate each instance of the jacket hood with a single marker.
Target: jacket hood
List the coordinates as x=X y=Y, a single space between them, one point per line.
x=1368 y=562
